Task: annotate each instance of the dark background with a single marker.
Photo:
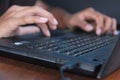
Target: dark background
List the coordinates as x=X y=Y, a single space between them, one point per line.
x=108 y=7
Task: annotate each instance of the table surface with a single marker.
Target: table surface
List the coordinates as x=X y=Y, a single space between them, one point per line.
x=16 y=70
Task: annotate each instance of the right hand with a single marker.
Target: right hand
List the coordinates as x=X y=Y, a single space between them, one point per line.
x=92 y=20
x=14 y=17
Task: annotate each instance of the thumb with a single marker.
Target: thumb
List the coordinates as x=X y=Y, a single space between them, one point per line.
x=27 y=30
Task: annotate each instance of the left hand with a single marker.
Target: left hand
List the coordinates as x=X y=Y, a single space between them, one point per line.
x=91 y=20
x=15 y=16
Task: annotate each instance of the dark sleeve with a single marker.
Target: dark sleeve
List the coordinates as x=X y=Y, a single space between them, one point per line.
x=5 y=4
x=108 y=7
x=23 y=2
x=71 y=6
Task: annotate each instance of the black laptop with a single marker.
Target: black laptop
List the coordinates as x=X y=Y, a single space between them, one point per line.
x=75 y=51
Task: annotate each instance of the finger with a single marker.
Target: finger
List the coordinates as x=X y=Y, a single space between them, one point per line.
x=43 y=20
x=27 y=30
x=52 y=23
x=84 y=25
x=108 y=24
x=44 y=29
x=98 y=18
x=30 y=20
x=114 y=27
x=40 y=12
x=99 y=23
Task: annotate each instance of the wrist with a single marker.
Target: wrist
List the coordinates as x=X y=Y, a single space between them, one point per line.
x=62 y=16
x=67 y=20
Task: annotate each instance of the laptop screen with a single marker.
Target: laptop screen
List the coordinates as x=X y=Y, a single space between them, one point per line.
x=108 y=7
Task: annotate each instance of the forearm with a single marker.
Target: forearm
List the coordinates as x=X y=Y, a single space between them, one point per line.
x=61 y=15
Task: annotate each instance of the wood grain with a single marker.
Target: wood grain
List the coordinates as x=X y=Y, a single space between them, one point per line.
x=16 y=70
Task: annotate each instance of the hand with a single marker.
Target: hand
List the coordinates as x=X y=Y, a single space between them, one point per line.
x=89 y=20
x=14 y=17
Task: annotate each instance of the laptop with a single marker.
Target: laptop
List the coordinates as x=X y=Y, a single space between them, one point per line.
x=97 y=56
x=75 y=51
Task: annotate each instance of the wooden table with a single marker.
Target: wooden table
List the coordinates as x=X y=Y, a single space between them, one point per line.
x=15 y=70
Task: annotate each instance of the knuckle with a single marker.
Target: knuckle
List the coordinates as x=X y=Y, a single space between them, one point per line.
x=36 y=8
x=114 y=19
x=100 y=17
x=114 y=23
x=11 y=20
x=50 y=15
x=108 y=19
x=36 y=17
x=90 y=9
x=25 y=20
x=14 y=6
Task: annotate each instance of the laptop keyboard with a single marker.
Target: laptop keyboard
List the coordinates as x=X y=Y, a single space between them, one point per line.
x=75 y=45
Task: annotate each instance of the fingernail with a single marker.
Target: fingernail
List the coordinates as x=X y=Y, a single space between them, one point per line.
x=48 y=33
x=89 y=27
x=55 y=21
x=43 y=20
x=54 y=27
x=116 y=32
x=99 y=31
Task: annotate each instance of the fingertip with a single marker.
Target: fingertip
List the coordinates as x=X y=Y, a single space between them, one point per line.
x=98 y=32
x=43 y=20
x=54 y=27
x=116 y=32
x=89 y=28
x=47 y=34
x=55 y=22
